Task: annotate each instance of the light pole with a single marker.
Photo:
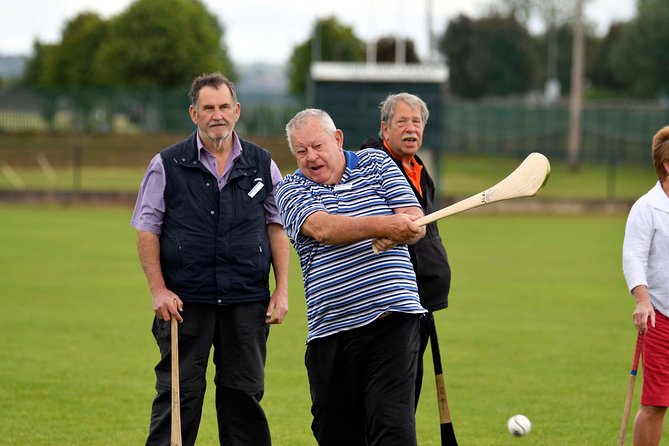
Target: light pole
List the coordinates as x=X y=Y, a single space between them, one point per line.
x=576 y=97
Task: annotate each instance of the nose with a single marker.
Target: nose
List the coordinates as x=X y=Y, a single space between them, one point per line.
x=311 y=154
x=218 y=113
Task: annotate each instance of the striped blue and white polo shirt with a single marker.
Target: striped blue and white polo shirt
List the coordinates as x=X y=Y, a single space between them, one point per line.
x=348 y=286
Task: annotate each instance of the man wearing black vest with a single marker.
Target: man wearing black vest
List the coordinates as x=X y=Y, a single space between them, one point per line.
x=403 y=120
x=208 y=231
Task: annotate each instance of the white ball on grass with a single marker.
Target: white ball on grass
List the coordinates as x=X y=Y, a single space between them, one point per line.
x=519 y=425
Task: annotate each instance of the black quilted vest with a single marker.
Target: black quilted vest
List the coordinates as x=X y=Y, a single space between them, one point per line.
x=214 y=246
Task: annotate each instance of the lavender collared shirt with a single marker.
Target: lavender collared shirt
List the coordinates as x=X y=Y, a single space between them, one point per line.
x=150 y=204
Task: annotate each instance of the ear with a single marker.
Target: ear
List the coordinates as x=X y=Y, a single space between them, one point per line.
x=384 y=130
x=238 y=109
x=193 y=114
x=339 y=137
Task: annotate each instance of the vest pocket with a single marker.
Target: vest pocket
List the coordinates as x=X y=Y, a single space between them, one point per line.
x=171 y=256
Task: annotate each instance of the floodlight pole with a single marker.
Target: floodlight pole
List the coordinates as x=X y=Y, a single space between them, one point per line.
x=576 y=97
x=430 y=32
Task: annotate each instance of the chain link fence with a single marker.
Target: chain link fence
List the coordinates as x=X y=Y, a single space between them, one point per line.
x=127 y=111
x=612 y=132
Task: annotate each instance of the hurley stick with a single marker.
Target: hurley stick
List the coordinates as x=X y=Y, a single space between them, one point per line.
x=175 y=439
x=446 y=425
x=630 y=390
x=528 y=178
x=525 y=181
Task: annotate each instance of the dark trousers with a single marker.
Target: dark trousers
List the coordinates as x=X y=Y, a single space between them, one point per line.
x=238 y=334
x=426 y=323
x=362 y=384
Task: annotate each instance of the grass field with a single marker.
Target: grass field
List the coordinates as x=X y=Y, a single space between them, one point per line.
x=539 y=324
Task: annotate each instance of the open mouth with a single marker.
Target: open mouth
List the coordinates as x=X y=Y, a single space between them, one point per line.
x=410 y=138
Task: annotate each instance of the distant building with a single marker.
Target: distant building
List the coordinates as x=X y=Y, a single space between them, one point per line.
x=351 y=94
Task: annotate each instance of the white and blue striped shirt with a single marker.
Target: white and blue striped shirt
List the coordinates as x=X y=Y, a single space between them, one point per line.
x=348 y=286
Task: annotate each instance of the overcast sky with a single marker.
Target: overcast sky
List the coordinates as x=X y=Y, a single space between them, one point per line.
x=267 y=30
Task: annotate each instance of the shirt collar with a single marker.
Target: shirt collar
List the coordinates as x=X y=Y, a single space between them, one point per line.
x=658 y=198
x=393 y=156
x=236 y=146
x=352 y=159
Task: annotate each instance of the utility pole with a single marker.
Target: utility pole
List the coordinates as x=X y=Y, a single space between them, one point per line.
x=400 y=50
x=576 y=97
x=430 y=32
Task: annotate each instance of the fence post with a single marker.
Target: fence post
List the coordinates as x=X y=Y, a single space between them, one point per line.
x=611 y=174
x=76 y=167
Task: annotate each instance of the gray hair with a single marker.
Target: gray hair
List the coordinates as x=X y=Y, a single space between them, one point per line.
x=214 y=80
x=303 y=117
x=387 y=107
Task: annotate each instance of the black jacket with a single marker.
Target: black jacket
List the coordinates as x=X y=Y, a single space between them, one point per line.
x=214 y=246
x=428 y=255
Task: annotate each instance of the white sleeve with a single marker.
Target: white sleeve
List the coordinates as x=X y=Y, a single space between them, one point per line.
x=636 y=246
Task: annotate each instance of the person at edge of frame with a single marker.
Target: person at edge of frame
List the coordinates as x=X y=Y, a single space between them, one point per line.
x=363 y=308
x=646 y=270
x=403 y=120
x=208 y=231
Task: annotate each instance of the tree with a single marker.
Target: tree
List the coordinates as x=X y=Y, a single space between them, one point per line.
x=599 y=69
x=386 y=50
x=561 y=40
x=35 y=73
x=71 y=64
x=165 y=44
x=493 y=55
x=640 y=58
x=152 y=43
x=333 y=41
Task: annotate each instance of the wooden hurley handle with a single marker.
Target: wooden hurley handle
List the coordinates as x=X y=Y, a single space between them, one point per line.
x=175 y=439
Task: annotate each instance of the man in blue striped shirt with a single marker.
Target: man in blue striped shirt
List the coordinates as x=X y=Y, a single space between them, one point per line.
x=363 y=308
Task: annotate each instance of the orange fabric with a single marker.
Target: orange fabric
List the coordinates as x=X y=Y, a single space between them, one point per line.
x=412 y=170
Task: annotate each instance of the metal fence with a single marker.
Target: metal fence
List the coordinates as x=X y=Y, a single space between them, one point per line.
x=127 y=111
x=611 y=131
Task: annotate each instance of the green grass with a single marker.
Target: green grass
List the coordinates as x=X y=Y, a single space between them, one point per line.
x=461 y=176
x=117 y=179
x=539 y=324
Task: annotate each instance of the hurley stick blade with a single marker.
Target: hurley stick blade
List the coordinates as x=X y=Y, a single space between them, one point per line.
x=528 y=178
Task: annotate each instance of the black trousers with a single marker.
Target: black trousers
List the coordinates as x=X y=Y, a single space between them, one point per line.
x=426 y=323
x=238 y=334
x=362 y=384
